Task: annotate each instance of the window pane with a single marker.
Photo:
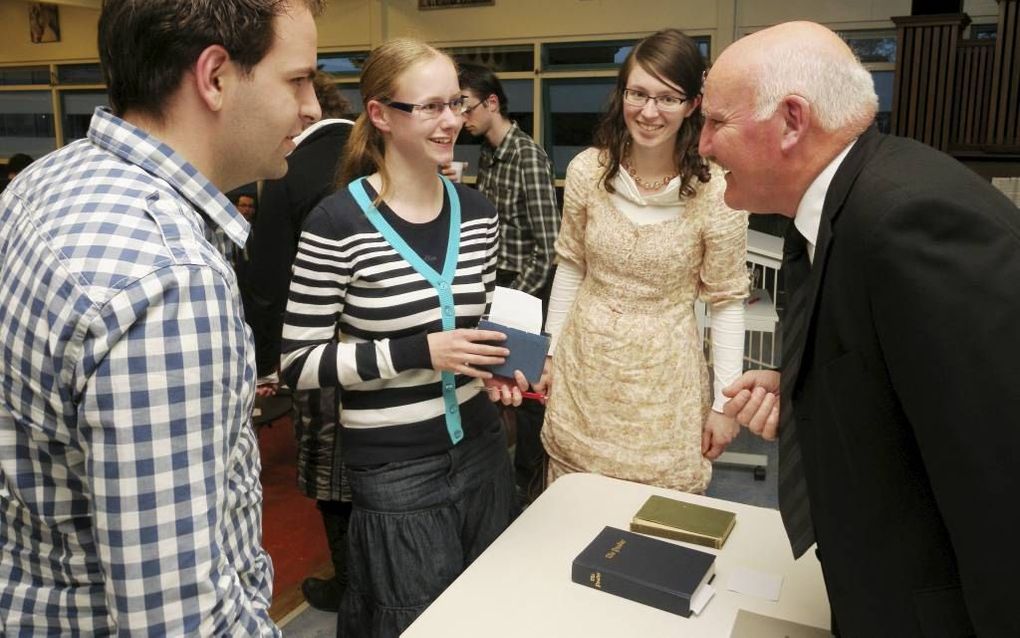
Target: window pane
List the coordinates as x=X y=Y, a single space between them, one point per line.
x=884 y=88
x=79 y=74
x=704 y=45
x=77 y=107
x=573 y=109
x=520 y=105
x=342 y=63
x=25 y=75
x=874 y=46
x=26 y=123
x=598 y=55
x=508 y=58
x=565 y=55
x=983 y=31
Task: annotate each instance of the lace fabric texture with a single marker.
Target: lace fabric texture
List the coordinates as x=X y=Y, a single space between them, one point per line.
x=631 y=387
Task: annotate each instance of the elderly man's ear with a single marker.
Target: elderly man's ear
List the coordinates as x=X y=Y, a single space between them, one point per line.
x=796 y=114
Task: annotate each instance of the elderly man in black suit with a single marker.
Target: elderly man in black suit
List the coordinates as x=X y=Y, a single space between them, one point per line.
x=897 y=406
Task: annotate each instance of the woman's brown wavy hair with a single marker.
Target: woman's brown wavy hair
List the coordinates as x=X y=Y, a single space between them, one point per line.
x=674 y=59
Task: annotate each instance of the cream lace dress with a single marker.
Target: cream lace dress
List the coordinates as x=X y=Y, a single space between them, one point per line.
x=630 y=389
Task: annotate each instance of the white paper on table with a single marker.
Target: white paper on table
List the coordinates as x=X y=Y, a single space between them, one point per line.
x=701 y=597
x=754 y=583
x=516 y=309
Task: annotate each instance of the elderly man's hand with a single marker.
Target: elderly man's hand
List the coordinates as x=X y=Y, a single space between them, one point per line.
x=754 y=402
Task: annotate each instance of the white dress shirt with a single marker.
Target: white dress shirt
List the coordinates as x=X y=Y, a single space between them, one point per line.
x=809 y=211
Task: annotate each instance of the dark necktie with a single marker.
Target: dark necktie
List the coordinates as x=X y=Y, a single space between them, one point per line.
x=793 y=497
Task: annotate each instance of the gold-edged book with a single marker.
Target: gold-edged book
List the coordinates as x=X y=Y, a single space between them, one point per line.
x=682 y=521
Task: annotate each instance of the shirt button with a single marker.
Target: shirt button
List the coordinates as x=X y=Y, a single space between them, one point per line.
x=448 y=387
x=452 y=410
x=447 y=311
x=442 y=284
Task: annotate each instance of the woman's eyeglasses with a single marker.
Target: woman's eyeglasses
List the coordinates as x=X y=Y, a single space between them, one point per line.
x=432 y=110
x=667 y=103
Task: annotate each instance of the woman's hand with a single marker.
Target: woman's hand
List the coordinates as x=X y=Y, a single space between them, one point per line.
x=544 y=384
x=719 y=432
x=507 y=391
x=459 y=351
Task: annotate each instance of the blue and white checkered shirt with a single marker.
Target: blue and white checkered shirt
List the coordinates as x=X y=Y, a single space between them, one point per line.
x=130 y=500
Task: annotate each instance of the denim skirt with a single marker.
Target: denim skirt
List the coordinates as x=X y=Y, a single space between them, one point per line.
x=416 y=525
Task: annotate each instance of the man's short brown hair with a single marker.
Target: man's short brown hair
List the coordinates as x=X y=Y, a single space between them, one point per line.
x=146 y=46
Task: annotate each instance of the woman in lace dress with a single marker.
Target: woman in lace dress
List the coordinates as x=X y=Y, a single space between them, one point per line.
x=645 y=233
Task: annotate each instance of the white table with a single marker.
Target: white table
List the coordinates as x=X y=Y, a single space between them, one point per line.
x=521 y=585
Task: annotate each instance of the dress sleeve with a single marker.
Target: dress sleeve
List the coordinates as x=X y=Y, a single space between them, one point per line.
x=566 y=283
x=727 y=348
x=581 y=174
x=723 y=269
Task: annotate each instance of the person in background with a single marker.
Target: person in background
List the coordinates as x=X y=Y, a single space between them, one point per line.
x=645 y=233
x=897 y=403
x=285 y=205
x=245 y=204
x=130 y=501
x=392 y=273
x=515 y=174
x=15 y=164
x=241 y=257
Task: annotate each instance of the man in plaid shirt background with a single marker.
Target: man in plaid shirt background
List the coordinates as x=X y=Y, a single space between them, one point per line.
x=516 y=175
x=130 y=501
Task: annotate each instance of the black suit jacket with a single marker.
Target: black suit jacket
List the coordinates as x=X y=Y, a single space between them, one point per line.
x=907 y=398
x=283 y=207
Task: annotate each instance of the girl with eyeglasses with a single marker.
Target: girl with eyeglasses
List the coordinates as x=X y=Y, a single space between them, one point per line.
x=645 y=233
x=392 y=272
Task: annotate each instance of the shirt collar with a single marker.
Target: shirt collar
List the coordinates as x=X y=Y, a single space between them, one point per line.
x=503 y=150
x=133 y=145
x=809 y=211
x=305 y=134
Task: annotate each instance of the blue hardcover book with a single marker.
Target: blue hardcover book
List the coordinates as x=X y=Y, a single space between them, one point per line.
x=527 y=351
x=645 y=570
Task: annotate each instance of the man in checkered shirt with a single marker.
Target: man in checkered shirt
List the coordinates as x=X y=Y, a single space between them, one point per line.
x=516 y=175
x=130 y=500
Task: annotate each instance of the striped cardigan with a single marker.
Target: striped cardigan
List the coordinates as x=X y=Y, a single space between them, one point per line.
x=358 y=316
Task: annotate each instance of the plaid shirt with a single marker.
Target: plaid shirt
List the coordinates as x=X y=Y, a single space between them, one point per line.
x=518 y=178
x=130 y=500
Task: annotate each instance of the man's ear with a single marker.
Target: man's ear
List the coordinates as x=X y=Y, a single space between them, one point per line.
x=796 y=114
x=492 y=101
x=377 y=115
x=213 y=72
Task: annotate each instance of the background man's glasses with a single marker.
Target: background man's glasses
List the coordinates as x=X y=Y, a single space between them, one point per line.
x=667 y=103
x=432 y=110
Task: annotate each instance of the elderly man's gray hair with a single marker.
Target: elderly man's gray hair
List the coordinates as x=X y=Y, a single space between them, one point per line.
x=840 y=90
